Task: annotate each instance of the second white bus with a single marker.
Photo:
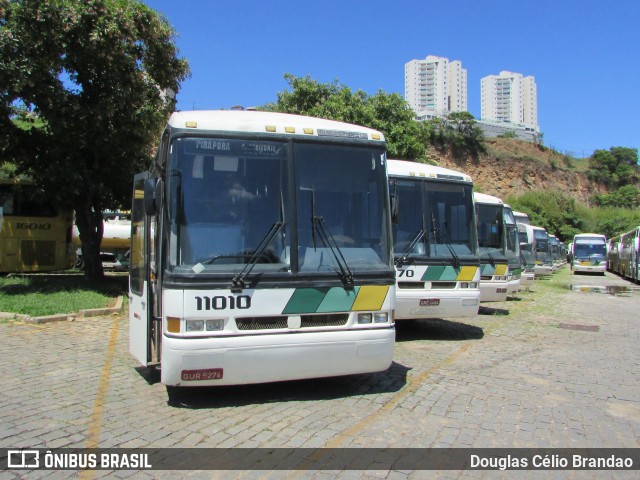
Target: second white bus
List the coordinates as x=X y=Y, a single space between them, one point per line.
x=435 y=245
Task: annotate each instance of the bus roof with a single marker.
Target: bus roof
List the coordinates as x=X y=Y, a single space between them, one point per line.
x=415 y=169
x=484 y=198
x=269 y=122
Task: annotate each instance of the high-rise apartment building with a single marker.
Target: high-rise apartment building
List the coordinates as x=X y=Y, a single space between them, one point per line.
x=510 y=98
x=436 y=85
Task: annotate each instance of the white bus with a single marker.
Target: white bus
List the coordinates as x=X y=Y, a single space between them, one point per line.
x=435 y=243
x=513 y=250
x=522 y=218
x=535 y=240
x=613 y=254
x=527 y=277
x=589 y=253
x=261 y=251
x=492 y=242
x=629 y=255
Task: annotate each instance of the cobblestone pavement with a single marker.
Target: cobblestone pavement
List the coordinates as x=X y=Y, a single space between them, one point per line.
x=553 y=367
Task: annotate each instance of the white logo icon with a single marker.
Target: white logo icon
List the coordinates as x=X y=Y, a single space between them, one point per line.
x=23 y=459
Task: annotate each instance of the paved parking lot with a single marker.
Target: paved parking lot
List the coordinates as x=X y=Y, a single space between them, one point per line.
x=554 y=367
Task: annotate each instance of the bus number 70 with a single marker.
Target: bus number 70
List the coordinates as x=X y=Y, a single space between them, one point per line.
x=406 y=273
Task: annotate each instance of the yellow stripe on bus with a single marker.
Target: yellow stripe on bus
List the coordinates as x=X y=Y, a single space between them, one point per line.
x=370 y=297
x=466 y=274
x=501 y=270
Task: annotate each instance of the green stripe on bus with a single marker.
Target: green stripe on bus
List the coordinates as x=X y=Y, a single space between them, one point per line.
x=305 y=300
x=338 y=299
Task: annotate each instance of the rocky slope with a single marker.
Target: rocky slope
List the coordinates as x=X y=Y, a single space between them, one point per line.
x=512 y=167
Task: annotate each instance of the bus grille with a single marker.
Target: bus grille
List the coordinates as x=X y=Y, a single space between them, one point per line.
x=443 y=285
x=326 y=320
x=306 y=321
x=411 y=285
x=261 y=323
x=38 y=252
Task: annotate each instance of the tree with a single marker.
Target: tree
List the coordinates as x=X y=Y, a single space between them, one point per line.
x=459 y=133
x=616 y=166
x=100 y=77
x=389 y=113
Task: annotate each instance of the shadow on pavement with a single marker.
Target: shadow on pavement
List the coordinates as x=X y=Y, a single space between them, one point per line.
x=436 y=329
x=492 y=311
x=391 y=380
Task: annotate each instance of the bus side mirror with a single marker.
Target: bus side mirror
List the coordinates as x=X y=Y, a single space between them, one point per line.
x=152 y=195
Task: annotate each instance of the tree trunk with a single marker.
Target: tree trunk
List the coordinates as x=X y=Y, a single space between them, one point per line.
x=90 y=228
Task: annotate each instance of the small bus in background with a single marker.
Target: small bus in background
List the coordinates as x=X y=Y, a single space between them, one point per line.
x=513 y=250
x=613 y=254
x=557 y=250
x=494 y=264
x=629 y=261
x=34 y=236
x=534 y=242
x=589 y=253
x=526 y=254
x=435 y=243
x=521 y=218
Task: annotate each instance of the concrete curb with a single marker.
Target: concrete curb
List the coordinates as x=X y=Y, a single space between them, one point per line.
x=62 y=317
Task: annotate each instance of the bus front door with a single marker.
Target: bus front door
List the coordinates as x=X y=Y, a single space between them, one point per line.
x=139 y=299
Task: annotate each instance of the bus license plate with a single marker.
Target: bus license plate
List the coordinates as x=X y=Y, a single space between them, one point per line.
x=429 y=302
x=199 y=375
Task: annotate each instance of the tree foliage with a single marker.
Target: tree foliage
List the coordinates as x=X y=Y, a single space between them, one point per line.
x=100 y=77
x=616 y=166
x=625 y=197
x=388 y=113
x=458 y=132
x=563 y=216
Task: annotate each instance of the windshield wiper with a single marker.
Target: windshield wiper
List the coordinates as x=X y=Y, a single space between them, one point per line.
x=436 y=234
x=318 y=224
x=492 y=261
x=405 y=253
x=237 y=282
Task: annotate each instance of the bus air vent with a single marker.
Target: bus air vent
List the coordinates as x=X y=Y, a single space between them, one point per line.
x=443 y=285
x=324 y=320
x=261 y=323
x=411 y=285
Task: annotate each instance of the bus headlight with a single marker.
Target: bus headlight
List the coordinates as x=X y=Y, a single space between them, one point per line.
x=473 y=284
x=195 y=325
x=364 y=318
x=213 y=325
x=381 y=317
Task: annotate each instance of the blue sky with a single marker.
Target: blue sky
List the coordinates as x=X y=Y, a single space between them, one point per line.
x=584 y=54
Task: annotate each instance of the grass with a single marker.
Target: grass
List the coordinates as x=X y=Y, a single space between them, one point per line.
x=49 y=294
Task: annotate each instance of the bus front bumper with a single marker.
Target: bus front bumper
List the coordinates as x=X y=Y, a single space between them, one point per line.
x=412 y=305
x=263 y=358
x=493 y=291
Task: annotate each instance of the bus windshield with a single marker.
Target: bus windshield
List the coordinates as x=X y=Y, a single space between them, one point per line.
x=511 y=230
x=230 y=206
x=439 y=215
x=589 y=250
x=490 y=231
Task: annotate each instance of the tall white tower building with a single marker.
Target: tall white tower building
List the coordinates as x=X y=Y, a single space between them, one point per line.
x=436 y=85
x=510 y=98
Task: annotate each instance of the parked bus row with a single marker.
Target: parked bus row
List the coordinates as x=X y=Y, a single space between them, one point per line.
x=623 y=255
x=269 y=247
